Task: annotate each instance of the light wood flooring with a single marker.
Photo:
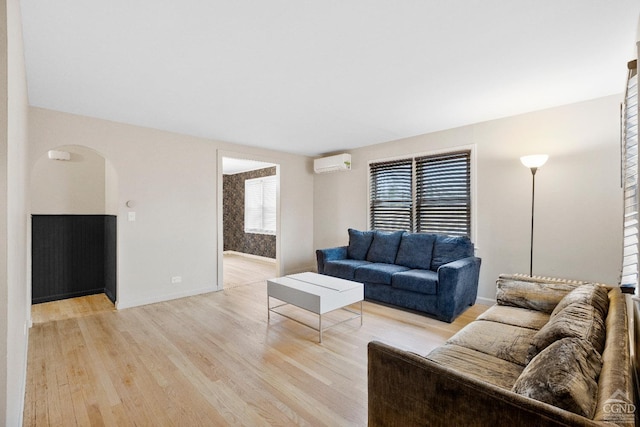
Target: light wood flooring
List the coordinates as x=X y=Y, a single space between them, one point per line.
x=212 y=360
x=239 y=270
x=70 y=308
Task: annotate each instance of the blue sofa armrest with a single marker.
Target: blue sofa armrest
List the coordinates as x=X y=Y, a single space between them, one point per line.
x=457 y=287
x=330 y=254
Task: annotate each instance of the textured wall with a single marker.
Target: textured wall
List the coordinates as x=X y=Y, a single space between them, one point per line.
x=235 y=239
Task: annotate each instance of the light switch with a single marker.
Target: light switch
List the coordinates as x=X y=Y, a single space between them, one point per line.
x=132 y=216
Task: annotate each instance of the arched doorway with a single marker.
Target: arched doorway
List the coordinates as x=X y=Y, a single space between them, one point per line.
x=73 y=227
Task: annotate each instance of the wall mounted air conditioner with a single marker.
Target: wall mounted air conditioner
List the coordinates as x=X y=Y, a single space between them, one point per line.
x=339 y=162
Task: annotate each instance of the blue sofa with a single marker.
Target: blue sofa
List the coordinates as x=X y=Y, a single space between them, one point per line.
x=431 y=273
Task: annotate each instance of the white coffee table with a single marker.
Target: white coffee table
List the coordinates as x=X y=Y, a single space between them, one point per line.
x=316 y=293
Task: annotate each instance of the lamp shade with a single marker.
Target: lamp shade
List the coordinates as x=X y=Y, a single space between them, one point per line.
x=534 y=160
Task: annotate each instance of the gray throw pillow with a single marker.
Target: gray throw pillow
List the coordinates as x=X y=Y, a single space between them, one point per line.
x=541 y=296
x=577 y=320
x=590 y=293
x=564 y=375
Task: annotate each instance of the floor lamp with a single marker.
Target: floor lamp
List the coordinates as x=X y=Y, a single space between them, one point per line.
x=533 y=162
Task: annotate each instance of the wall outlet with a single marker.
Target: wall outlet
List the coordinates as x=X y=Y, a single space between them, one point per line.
x=176 y=279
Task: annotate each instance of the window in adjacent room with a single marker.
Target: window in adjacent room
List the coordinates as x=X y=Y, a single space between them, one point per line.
x=260 y=205
x=430 y=193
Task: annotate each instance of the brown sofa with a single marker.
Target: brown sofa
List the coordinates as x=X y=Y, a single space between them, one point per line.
x=546 y=340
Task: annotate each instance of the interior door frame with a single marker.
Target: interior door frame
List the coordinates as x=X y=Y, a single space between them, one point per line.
x=219 y=212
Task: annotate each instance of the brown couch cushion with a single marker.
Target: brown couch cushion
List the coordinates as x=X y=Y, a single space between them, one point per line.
x=563 y=375
x=577 y=320
x=476 y=364
x=591 y=293
x=506 y=342
x=515 y=316
x=530 y=293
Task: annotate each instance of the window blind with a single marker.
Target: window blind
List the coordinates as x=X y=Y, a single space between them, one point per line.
x=629 y=144
x=391 y=195
x=260 y=205
x=443 y=194
x=423 y=194
x=269 y=205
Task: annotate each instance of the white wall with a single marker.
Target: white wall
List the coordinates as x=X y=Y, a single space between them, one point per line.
x=75 y=186
x=14 y=282
x=172 y=179
x=110 y=189
x=578 y=230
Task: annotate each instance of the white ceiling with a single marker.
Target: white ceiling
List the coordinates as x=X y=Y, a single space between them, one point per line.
x=314 y=77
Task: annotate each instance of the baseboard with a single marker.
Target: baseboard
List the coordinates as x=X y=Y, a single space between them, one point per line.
x=168 y=297
x=485 y=301
x=256 y=257
x=312 y=269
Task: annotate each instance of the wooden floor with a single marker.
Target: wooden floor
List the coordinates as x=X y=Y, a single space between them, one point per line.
x=239 y=270
x=70 y=308
x=212 y=360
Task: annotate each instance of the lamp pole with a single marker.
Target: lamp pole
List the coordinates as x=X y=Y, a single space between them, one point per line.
x=533 y=200
x=533 y=162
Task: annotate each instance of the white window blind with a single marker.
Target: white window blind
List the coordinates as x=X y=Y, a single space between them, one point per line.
x=260 y=205
x=423 y=194
x=629 y=144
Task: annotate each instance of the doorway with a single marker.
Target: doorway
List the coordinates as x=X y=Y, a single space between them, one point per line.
x=250 y=219
x=73 y=226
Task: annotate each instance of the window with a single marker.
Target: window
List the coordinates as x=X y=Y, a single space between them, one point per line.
x=260 y=205
x=443 y=199
x=424 y=194
x=391 y=195
x=629 y=144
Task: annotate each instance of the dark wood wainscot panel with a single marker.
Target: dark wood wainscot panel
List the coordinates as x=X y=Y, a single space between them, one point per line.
x=73 y=255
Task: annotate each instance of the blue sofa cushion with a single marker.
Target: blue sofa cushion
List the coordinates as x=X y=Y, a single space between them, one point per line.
x=343 y=268
x=359 y=242
x=378 y=273
x=422 y=281
x=384 y=246
x=415 y=250
x=450 y=248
